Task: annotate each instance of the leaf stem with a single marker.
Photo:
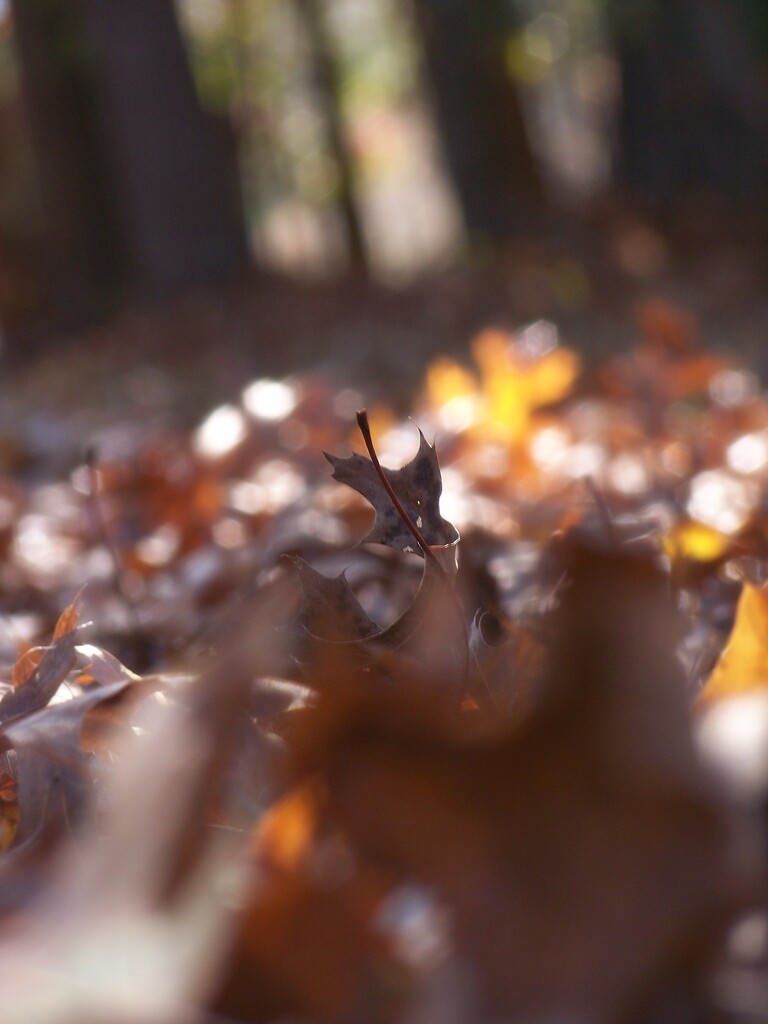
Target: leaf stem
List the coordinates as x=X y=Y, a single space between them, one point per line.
x=603 y=511
x=365 y=430
x=99 y=524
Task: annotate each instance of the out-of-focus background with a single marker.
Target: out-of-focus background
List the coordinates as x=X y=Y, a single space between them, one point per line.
x=261 y=185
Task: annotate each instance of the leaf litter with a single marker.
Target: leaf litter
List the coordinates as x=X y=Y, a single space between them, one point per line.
x=503 y=758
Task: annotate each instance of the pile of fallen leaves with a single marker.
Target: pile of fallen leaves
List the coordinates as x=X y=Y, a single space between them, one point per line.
x=497 y=752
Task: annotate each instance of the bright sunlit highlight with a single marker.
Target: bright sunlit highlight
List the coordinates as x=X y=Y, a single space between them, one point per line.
x=221 y=432
x=159 y=547
x=628 y=474
x=539 y=338
x=748 y=454
x=732 y=388
x=454 y=503
x=274 y=486
x=722 y=501
x=584 y=459
x=270 y=400
x=548 y=447
x=39 y=548
x=734 y=736
x=459 y=413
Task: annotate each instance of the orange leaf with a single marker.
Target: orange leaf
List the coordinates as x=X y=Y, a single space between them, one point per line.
x=743 y=664
x=9 y=823
x=515 y=384
x=67 y=621
x=286 y=831
x=447 y=381
x=9 y=809
x=8 y=787
x=666 y=326
x=25 y=665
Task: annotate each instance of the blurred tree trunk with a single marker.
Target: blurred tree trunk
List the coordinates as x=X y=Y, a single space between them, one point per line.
x=329 y=88
x=83 y=256
x=139 y=184
x=479 y=115
x=694 y=108
x=176 y=163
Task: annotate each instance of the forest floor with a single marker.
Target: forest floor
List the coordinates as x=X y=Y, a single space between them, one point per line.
x=260 y=761
x=175 y=360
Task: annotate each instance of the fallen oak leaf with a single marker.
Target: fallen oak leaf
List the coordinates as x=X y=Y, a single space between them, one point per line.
x=56 y=726
x=141 y=923
x=306 y=942
x=586 y=857
x=428 y=640
x=432 y=629
x=95 y=665
x=505 y=661
x=68 y=619
x=29 y=660
x=9 y=809
x=9 y=824
x=54 y=666
x=54 y=779
x=25 y=665
x=418 y=485
x=308 y=948
x=432 y=632
x=8 y=788
x=330 y=610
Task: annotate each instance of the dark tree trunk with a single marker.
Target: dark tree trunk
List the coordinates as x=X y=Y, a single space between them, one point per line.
x=176 y=163
x=479 y=116
x=694 y=110
x=139 y=184
x=83 y=256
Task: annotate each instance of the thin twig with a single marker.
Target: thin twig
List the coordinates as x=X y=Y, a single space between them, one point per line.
x=602 y=509
x=101 y=530
x=365 y=430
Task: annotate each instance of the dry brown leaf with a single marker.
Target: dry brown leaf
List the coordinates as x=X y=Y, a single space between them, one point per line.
x=418 y=485
x=586 y=857
x=68 y=619
x=25 y=665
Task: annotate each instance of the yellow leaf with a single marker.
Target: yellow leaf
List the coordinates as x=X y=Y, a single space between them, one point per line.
x=448 y=380
x=743 y=664
x=695 y=542
x=516 y=384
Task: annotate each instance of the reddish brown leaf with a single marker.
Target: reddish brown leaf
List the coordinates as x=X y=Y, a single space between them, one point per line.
x=25 y=665
x=55 y=664
x=585 y=856
x=68 y=619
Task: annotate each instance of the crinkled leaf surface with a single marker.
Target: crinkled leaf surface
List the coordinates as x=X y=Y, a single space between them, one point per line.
x=418 y=485
x=52 y=669
x=427 y=643
x=331 y=611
